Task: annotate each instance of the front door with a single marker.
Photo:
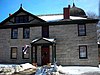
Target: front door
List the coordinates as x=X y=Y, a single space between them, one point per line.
x=45 y=55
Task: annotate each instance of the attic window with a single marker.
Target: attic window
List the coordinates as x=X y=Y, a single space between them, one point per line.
x=21 y=19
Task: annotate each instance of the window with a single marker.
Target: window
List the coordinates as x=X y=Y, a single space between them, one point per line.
x=14 y=33
x=83 y=52
x=21 y=19
x=25 y=56
x=82 y=30
x=45 y=31
x=26 y=33
x=13 y=52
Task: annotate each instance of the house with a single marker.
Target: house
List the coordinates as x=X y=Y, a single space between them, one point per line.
x=69 y=38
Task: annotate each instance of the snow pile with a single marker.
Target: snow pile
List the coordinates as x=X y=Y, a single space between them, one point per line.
x=27 y=66
x=26 y=69
x=46 y=71
x=7 y=70
x=51 y=70
x=68 y=70
x=99 y=66
x=13 y=68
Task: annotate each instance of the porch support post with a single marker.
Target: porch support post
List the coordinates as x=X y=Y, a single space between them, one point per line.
x=53 y=53
x=31 y=53
x=35 y=54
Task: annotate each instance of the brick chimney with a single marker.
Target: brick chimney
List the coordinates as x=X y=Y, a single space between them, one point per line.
x=66 y=12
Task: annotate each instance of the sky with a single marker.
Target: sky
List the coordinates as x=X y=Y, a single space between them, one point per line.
x=38 y=7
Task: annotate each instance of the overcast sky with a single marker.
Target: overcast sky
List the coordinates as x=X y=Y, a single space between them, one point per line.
x=38 y=7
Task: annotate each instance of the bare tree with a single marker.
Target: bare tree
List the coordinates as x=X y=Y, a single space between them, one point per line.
x=92 y=15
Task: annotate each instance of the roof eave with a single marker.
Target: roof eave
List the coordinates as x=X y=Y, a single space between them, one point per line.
x=65 y=22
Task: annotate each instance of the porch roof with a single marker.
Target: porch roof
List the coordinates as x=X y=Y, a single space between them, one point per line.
x=43 y=41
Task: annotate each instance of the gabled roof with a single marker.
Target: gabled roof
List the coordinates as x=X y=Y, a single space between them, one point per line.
x=61 y=22
x=43 y=40
x=17 y=12
x=57 y=19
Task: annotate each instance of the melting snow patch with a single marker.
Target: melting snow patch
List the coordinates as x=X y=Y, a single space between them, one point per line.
x=79 y=69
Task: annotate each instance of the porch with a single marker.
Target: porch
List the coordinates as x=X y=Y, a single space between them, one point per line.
x=43 y=51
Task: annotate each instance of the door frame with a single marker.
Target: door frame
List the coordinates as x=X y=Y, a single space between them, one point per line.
x=45 y=54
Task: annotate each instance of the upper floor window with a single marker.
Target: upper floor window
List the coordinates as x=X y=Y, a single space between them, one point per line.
x=82 y=30
x=14 y=33
x=13 y=52
x=83 y=52
x=26 y=33
x=45 y=31
x=21 y=19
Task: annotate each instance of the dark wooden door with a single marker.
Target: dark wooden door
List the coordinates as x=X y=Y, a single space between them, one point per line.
x=45 y=55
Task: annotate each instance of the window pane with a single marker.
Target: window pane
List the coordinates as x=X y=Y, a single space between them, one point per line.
x=26 y=33
x=14 y=52
x=14 y=33
x=21 y=19
x=82 y=32
x=17 y=20
x=83 y=51
x=25 y=19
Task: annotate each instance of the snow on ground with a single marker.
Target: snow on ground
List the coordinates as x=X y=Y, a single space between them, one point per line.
x=68 y=70
x=13 y=68
x=57 y=70
x=75 y=70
